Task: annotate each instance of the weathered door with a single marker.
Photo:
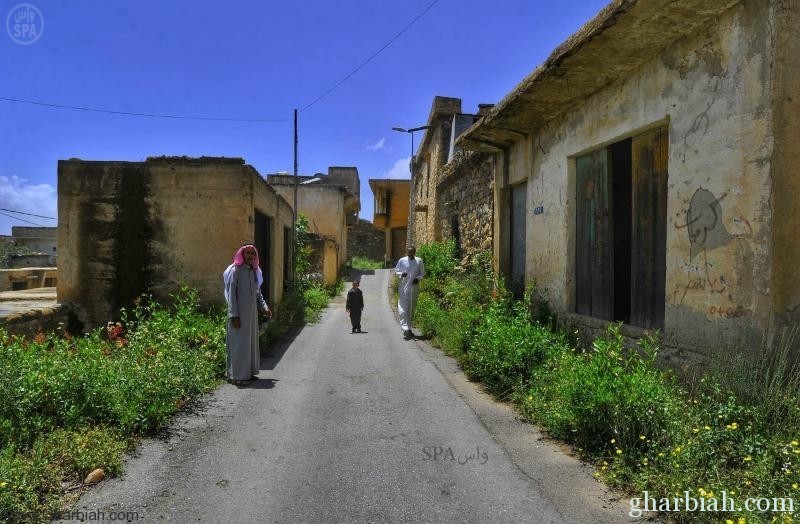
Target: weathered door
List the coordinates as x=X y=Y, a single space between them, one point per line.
x=263 y=243
x=650 y=153
x=518 y=231
x=594 y=277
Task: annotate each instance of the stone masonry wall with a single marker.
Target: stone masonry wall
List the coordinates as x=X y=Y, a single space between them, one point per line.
x=365 y=240
x=466 y=191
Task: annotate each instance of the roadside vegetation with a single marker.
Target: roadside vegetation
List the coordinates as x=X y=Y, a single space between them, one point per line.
x=9 y=249
x=733 y=427
x=303 y=299
x=364 y=263
x=73 y=404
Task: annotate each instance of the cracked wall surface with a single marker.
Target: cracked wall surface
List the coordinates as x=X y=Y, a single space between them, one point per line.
x=128 y=228
x=726 y=93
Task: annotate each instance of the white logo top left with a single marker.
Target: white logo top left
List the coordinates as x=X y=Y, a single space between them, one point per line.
x=25 y=24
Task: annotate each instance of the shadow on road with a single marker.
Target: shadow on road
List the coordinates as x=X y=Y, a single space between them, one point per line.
x=356 y=274
x=274 y=353
x=260 y=383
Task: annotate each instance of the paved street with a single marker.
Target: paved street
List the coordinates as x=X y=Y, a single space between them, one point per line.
x=345 y=427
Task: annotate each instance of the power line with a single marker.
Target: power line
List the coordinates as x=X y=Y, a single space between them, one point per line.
x=224 y=119
x=29 y=214
x=21 y=219
x=149 y=115
x=368 y=60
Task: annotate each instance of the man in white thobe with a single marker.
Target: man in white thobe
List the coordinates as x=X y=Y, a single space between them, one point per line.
x=410 y=270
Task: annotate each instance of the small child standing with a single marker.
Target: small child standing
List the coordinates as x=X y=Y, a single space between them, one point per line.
x=355 y=304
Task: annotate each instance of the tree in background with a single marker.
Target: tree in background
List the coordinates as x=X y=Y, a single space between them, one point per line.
x=9 y=248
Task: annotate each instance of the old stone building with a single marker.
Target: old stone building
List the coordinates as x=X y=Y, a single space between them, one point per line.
x=465 y=203
x=330 y=202
x=40 y=240
x=365 y=240
x=452 y=190
x=647 y=171
x=391 y=215
x=127 y=228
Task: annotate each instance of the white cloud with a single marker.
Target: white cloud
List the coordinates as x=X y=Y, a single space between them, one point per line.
x=399 y=169
x=16 y=194
x=380 y=144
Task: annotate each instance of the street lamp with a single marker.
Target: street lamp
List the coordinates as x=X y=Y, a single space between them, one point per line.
x=411 y=131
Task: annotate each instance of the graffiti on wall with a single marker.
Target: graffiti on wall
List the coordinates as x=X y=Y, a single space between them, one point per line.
x=704 y=223
x=706 y=231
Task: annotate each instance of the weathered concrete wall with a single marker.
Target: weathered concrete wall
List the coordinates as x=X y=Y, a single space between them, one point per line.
x=365 y=240
x=714 y=92
x=56 y=318
x=325 y=208
x=466 y=191
x=20 y=261
x=128 y=228
x=29 y=277
x=38 y=239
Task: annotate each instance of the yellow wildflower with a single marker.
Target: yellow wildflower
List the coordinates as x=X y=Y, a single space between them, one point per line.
x=642 y=437
x=706 y=428
x=794 y=485
x=695 y=430
x=3 y=484
x=702 y=491
x=613 y=440
x=619 y=451
x=748 y=458
x=795 y=443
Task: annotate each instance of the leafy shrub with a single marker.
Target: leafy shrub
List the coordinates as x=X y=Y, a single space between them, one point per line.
x=68 y=401
x=439 y=258
x=365 y=263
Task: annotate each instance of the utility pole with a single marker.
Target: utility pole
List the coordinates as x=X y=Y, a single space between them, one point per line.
x=294 y=208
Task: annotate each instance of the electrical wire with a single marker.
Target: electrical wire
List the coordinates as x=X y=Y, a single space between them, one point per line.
x=29 y=214
x=368 y=60
x=21 y=219
x=148 y=115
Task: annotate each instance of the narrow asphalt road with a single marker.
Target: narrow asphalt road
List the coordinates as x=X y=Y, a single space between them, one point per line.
x=341 y=427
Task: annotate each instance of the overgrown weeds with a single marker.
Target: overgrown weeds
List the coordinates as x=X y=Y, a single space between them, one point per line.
x=736 y=429
x=364 y=263
x=73 y=404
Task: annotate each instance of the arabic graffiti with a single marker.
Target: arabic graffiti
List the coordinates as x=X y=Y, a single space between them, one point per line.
x=704 y=222
x=446 y=454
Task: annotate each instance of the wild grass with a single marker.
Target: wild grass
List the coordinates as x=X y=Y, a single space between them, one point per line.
x=73 y=404
x=364 y=263
x=736 y=428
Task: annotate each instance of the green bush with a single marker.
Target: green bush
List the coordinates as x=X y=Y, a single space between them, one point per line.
x=737 y=429
x=365 y=263
x=73 y=404
x=439 y=258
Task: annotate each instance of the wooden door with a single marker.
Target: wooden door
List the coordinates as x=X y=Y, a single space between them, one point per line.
x=650 y=154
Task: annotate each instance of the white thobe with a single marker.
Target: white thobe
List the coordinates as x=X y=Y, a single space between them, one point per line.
x=407 y=291
x=244 y=300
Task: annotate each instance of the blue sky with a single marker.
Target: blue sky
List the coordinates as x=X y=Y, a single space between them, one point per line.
x=254 y=60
